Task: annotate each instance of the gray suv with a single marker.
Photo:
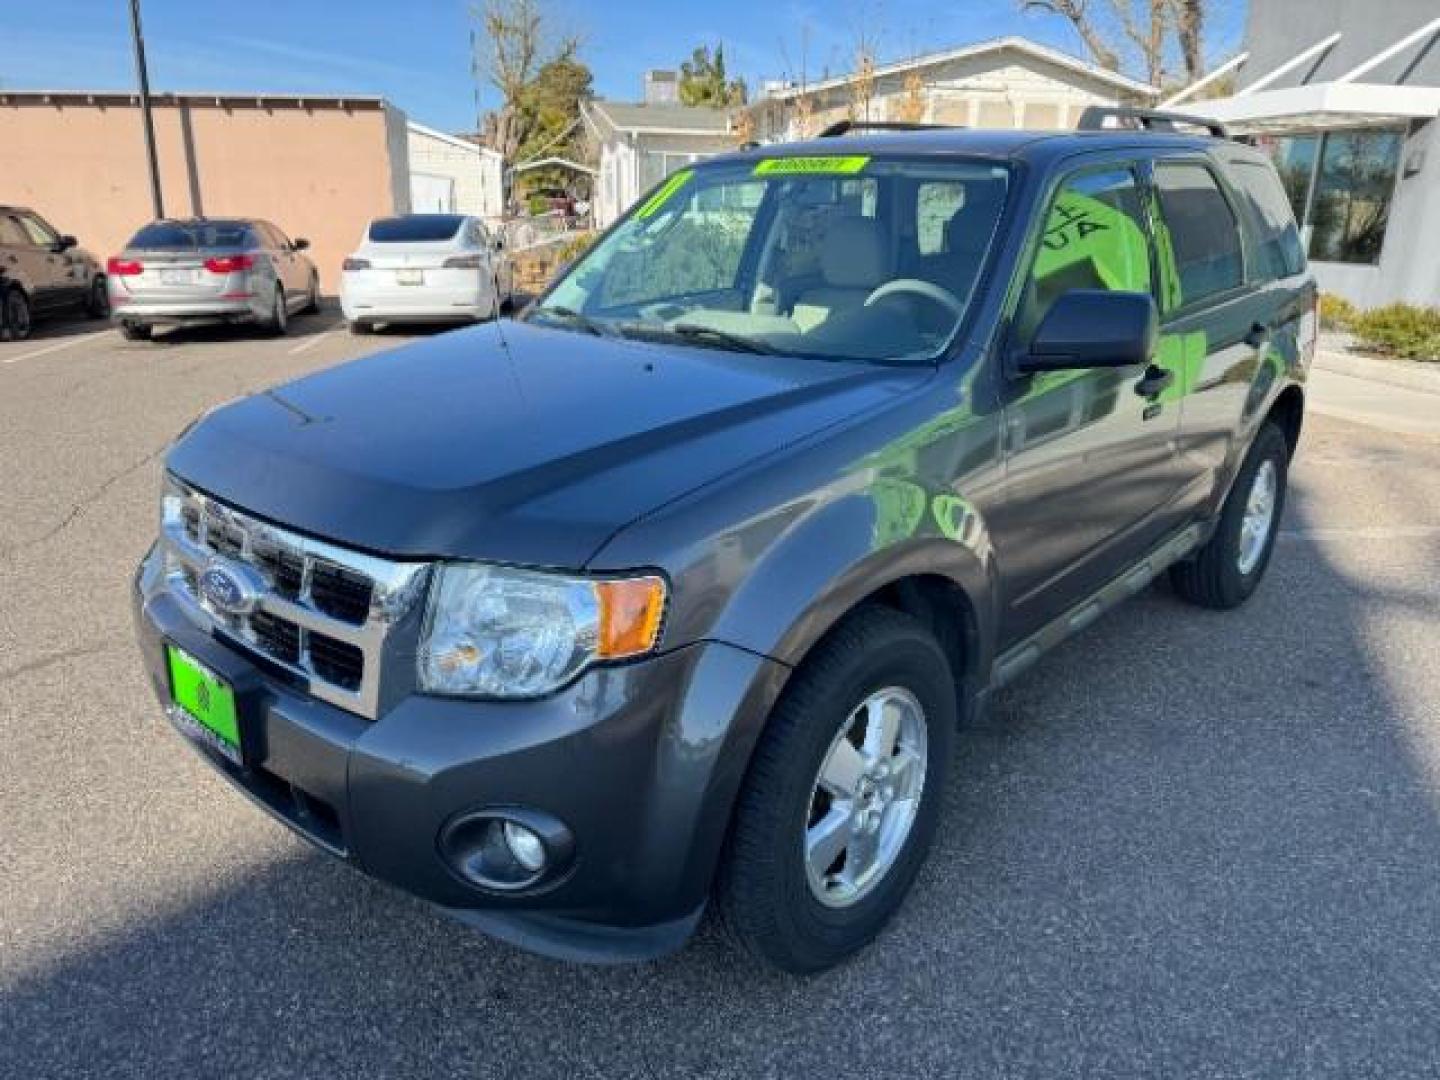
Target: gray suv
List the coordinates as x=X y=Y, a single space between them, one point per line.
x=669 y=596
x=43 y=273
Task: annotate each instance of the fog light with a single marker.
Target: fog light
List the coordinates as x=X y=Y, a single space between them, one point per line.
x=525 y=847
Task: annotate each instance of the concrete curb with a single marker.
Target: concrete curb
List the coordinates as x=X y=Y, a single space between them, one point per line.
x=1409 y=374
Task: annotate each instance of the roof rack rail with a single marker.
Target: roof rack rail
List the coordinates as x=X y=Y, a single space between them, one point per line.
x=1094 y=117
x=843 y=127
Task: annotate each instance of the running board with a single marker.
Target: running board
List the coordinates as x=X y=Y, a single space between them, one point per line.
x=1022 y=656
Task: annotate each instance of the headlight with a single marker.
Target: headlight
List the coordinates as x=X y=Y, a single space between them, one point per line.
x=492 y=631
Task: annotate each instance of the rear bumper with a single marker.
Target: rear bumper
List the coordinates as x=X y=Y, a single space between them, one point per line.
x=422 y=303
x=188 y=312
x=640 y=763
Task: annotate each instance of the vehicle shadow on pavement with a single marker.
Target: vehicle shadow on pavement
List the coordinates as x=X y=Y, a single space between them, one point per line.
x=1188 y=843
x=301 y=326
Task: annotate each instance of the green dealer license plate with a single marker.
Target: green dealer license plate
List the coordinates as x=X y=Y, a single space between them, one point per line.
x=204 y=704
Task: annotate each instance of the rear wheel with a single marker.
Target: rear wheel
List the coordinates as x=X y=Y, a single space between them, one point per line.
x=843 y=795
x=97 y=305
x=135 y=331
x=1229 y=567
x=16 y=321
x=312 y=300
x=360 y=326
x=279 y=321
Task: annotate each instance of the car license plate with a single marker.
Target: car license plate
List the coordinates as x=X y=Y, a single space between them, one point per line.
x=204 y=704
x=410 y=277
x=177 y=277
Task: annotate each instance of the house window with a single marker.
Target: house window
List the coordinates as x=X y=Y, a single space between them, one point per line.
x=1340 y=185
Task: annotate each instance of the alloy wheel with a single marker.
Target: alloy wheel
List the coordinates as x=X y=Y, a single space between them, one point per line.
x=1259 y=517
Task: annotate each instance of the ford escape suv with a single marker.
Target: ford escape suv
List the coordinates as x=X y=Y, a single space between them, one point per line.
x=669 y=595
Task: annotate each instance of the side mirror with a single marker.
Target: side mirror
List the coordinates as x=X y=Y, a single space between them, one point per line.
x=1093 y=328
x=65 y=243
x=300 y=243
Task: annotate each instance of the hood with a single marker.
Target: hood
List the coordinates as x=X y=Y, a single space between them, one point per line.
x=534 y=450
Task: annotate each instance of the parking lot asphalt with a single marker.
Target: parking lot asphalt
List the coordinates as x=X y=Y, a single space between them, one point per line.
x=1188 y=844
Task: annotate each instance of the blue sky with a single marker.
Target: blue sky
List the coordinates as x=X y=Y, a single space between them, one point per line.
x=417 y=53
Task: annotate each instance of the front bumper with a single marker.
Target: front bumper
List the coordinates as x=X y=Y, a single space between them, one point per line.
x=641 y=763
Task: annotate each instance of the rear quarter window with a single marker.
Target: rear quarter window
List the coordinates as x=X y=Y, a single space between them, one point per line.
x=1279 y=250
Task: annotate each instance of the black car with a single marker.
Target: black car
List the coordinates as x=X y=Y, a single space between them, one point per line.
x=43 y=273
x=670 y=595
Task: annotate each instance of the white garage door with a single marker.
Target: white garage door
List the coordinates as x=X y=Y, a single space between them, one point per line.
x=431 y=194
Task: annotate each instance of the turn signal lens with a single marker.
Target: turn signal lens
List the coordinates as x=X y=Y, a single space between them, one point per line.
x=630 y=614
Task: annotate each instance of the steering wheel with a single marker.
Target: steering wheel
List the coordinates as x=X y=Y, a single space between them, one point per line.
x=914 y=286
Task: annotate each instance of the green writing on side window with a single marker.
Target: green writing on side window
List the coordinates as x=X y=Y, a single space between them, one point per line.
x=662 y=196
x=810 y=166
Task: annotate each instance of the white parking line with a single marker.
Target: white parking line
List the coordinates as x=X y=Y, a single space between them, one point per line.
x=306 y=346
x=67 y=343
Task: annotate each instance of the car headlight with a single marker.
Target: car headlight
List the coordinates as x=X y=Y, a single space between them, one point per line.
x=494 y=631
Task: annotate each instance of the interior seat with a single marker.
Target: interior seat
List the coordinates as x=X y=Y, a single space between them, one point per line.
x=852 y=266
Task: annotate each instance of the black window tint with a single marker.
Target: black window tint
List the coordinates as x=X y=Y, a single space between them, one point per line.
x=415 y=228
x=1204 y=238
x=1278 y=237
x=190 y=236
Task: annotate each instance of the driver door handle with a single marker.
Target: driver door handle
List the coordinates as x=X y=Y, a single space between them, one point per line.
x=1258 y=335
x=1154 y=382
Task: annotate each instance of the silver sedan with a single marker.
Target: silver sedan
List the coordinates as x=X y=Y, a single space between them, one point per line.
x=207 y=270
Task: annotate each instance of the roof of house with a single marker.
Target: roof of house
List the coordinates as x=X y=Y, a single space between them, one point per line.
x=458 y=141
x=980 y=48
x=658 y=118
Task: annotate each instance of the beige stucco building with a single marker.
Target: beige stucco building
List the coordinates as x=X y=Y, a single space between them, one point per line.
x=318 y=167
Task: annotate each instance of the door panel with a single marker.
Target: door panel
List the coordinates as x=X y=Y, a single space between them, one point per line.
x=1092 y=470
x=45 y=268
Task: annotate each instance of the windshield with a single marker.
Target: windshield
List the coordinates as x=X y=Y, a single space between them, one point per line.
x=415 y=228
x=846 y=257
x=193 y=235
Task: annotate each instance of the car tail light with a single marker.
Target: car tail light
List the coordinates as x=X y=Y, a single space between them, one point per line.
x=229 y=264
x=118 y=267
x=355 y=264
x=463 y=262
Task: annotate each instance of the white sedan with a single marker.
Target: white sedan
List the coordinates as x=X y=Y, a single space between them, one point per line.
x=425 y=268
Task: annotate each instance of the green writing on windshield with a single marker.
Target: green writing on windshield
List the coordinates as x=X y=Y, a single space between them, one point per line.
x=811 y=166
x=661 y=197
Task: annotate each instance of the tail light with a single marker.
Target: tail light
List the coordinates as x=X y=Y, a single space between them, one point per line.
x=118 y=267
x=229 y=264
x=355 y=264
x=463 y=262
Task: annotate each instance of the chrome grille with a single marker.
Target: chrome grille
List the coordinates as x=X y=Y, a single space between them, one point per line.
x=325 y=611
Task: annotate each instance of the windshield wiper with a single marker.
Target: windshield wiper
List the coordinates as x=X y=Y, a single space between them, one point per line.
x=738 y=342
x=570 y=315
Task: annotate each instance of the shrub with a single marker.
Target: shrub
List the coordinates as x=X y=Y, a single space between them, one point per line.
x=1337 y=313
x=1403 y=330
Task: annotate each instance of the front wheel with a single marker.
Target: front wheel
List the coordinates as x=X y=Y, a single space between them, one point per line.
x=1229 y=567
x=843 y=795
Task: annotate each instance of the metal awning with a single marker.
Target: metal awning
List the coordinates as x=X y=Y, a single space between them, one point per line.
x=1325 y=105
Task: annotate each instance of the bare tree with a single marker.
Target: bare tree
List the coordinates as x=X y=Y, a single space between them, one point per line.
x=1190 y=32
x=520 y=40
x=912 y=105
x=1076 y=11
x=1148 y=36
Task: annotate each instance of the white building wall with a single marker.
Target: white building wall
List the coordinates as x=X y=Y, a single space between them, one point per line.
x=474 y=175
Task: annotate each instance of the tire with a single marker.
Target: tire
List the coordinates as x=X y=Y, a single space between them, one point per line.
x=278 y=324
x=17 y=319
x=312 y=301
x=796 y=917
x=97 y=304
x=136 y=331
x=360 y=326
x=1227 y=570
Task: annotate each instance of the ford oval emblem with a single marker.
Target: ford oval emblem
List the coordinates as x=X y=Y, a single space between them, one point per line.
x=235 y=590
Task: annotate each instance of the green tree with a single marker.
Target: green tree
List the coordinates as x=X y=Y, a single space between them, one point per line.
x=703 y=80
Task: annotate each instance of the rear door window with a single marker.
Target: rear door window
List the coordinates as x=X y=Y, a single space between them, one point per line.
x=11 y=235
x=1278 y=248
x=1198 y=232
